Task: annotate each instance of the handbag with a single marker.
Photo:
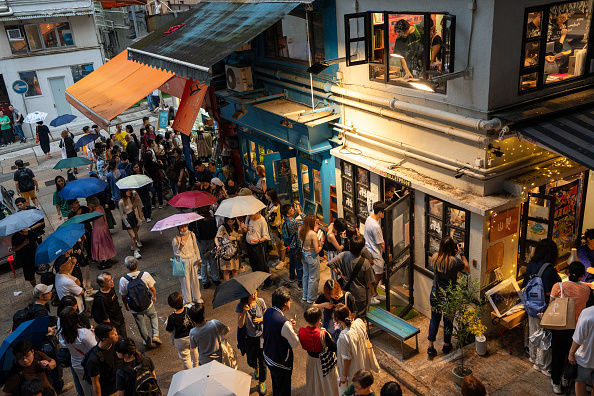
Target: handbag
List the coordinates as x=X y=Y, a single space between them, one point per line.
x=560 y=313
x=327 y=357
x=570 y=372
x=227 y=249
x=228 y=355
x=178 y=267
x=132 y=220
x=370 y=360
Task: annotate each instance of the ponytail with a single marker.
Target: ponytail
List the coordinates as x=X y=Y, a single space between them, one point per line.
x=343 y=314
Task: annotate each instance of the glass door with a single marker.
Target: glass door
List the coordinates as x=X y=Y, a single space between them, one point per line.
x=281 y=174
x=399 y=255
x=537 y=224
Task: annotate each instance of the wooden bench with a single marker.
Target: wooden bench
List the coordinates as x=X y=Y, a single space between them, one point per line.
x=393 y=325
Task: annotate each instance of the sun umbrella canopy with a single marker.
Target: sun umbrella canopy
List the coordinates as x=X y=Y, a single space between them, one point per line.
x=242 y=285
x=86 y=139
x=81 y=218
x=33 y=331
x=19 y=221
x=72 y=162
x=58 y=242
x=192 y=199
x=63 y=119
x=176 y=220
x=82 y=188
x=240 y=206
x=34 y=117
x=134 y=181
x=213 y=378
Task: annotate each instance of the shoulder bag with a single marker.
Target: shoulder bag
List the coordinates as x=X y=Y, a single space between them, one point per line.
x=346 y=286
x=228 y=355
x=178 y=265
x=370 y=360
x=560 y=313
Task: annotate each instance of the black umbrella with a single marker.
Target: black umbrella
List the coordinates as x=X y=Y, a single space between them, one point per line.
x=243 y=285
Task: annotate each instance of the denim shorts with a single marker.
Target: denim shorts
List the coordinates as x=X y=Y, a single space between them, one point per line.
x=585 y=374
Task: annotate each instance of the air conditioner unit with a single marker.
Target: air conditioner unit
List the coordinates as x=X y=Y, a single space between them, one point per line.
x=14 y=34
x=239 y=79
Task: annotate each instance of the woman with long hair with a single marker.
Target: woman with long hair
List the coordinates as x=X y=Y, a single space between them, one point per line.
x=60 y=203
x=275 y=222
x=185 y=247
x=228 y=232
x=308 y=236
x=70 y=301
x=328 y=300
x=545 y=253
x=260 y=188
x=250 y=314
x=79 y=340
x=144 y=193
x=130 y=207
x=102 y=247
x=446 y=265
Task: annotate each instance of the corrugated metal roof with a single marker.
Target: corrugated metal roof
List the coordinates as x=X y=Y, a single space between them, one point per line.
x=213 y=29
x=46 y=14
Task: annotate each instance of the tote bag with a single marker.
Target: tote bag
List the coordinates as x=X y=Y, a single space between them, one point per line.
x=560 y=313
x=178 y=266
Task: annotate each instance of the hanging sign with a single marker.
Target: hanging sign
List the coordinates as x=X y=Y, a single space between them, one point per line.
x=504 y=224
x=163 y=119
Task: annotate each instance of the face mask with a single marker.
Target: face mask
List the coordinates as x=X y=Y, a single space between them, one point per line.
x=183 y=232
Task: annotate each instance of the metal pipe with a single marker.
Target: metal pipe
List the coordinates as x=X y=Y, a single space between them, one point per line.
x=476 y=123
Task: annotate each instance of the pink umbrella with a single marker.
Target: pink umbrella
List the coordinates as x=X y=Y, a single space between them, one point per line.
x=176 y=220
x=192 y=199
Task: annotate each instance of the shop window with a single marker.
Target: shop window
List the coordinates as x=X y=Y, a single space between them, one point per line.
x=31 y=79
x=443 y=219
x=38 y=37
x=81 y=71
x=555 y=44
x=401 y=47
x=288 y=38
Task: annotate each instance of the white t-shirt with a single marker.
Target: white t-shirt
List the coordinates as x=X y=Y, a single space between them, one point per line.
x=257 y=229
x=146 y=278
x=66 y=286
x=584 y=336
x=373 y=238
x=83 y=344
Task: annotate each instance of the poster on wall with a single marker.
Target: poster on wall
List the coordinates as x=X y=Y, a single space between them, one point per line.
x=566 y=208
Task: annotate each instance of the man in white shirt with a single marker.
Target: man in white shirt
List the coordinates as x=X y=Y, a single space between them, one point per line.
x=582 y=350
x=68 y=285
x=143 y=295
x=257 y=236
x=374 y=242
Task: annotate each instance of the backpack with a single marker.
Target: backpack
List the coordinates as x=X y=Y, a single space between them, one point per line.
x=138 y=297
x=287 y=238
x=85 y=362
x=22 y=315
x=145 y=384
x=25 y=180
x=534 y=294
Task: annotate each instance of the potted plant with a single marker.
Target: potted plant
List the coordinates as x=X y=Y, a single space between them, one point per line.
x=462 y=304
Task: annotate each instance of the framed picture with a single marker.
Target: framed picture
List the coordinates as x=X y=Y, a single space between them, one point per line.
x=363 y=177
x=348 y=186
x=504 y=296
x=348 y=202
x=347 y=169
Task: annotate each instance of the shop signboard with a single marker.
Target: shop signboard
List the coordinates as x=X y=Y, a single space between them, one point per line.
x=163 y=118
x=504 y=224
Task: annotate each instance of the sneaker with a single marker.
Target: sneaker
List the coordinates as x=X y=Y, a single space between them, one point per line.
x=546 y=373
x=374 y=301
x=447 y=348
x=303 y=299
x=262 y=388
x=300 y=287
x=531 y=360
x=564 y=383
x=138 y=243
x=380 y=297
x=137 y=254
x=148 y=344
x=431 y=351
x=557 y=389
x=535 y=367
x=148 y=220
x=157 y=340
x=310 y=302
x=200 y=301
x=154 y=206
x=160 y=206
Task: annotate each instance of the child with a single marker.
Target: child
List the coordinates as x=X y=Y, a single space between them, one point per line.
x=180 y=324
x=362 y=381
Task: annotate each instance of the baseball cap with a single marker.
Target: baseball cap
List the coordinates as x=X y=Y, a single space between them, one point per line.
x=244 y=192
x=41 y=289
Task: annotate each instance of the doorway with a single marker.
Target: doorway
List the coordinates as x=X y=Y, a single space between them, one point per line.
x=58 y=87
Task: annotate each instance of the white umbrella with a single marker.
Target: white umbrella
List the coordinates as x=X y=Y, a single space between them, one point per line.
x=240 y=206
x=134 y=181
x=210 y=379
x=34 y=117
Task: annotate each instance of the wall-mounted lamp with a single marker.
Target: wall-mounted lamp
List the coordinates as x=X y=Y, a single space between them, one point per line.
x=319 y=67
x=431 y=84
x=239 y=112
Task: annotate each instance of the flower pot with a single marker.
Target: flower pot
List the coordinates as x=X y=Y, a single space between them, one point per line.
x=458 y=374
x=481 y=344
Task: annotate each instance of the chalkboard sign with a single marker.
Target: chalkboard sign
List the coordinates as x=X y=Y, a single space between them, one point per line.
x=163 y=119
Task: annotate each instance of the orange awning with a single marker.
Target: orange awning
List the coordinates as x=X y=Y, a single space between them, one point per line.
x=114 y=87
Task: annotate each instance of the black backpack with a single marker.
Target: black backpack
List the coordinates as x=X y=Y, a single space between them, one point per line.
x=144 y=383
x=85 y=362
x=22 y=315
x=25 y=180
x=138 y=297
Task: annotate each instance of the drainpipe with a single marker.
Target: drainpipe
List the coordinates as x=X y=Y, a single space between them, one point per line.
x=395 y=104
x=8 y=11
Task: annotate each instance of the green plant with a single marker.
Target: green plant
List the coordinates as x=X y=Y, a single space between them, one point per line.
x=461 y=303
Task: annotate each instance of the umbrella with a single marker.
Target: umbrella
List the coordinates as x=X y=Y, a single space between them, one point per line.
x=242 y=285
x=81 y=218
x=176 y=220
x=72 y=162
x=86 y=139
x=63 y=119
x=34 y=117
x=58 y=242
x=192 y=199
x=134 y=181
x=33 y=331
x=83 y=188
x=19 y=221
x=239 y=206
x=213 y=378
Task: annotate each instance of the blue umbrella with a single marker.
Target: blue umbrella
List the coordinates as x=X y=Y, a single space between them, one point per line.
x=33 y=331
x=86 y=139
x=82 y=188
x=58 y=242
x=19 y=221
x=63 y=119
